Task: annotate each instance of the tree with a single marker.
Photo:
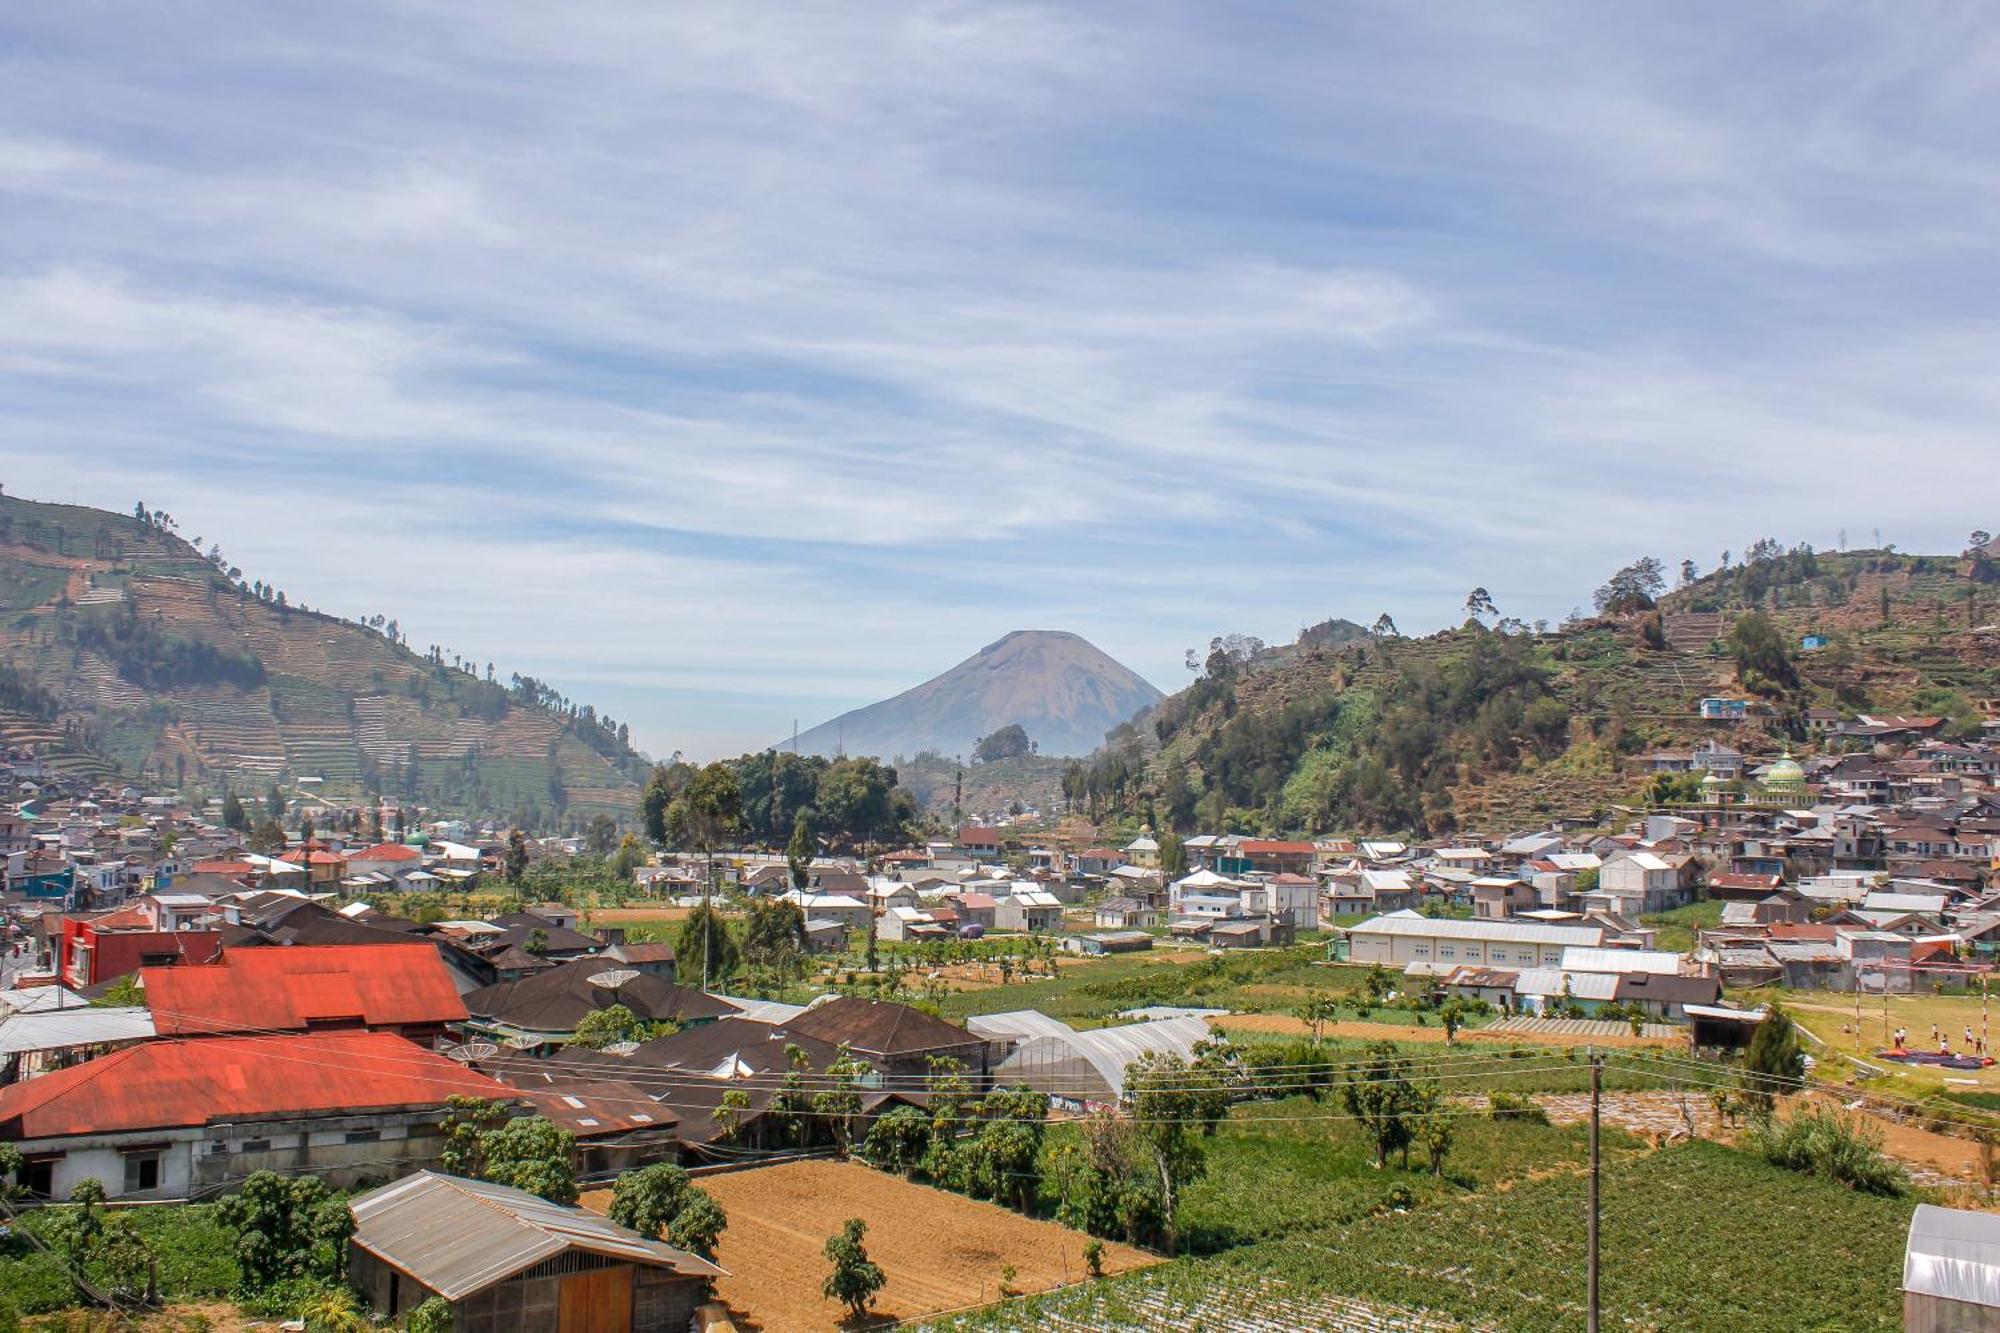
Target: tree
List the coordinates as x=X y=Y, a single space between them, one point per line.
x=800 y=850
x=897 y=1141
x=267 y=839
x=774 y=938
x=1432 y=1124
x=1688 y=572
x=1774 y=1062
x=1762 y=662
x=705 y=814
x=615 y=1023
x=838 y=1104
x=601 y=835
x=286 y=1227
x=1378 y=1096
x=1316 y=1013
x=234 y=817
x=131 y=1264
x=274 y=802
x=1384 y=627
x=1173 y=856
x=466 y=1122
x=1452 y=1015
x=1633 y=588
x=705 y=935
x=855 y=1278
x=531 y=1153
x=1009 y=742
x=515 y=865
x=729 y=1113
x=1479 y=602
x=1170 y=1107
x=628 y=858
x=663 y=788
x=662 y=1202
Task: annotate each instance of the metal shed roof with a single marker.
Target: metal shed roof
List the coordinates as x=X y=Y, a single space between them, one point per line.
x=460 y=1236
x=1503 y=932
x=56 y=1029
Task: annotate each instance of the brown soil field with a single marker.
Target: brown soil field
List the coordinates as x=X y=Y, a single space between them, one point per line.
x=939 y=1251
x=1286 y=1026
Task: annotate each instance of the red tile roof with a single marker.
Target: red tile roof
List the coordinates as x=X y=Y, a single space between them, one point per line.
x=386 y=851
x=170 y=1084
x=1270 y=847
x=223 y=868
x=381 y=985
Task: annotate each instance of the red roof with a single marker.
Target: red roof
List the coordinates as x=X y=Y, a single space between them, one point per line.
x=1269 y=847
x=297 y=987
x=1731 y=880
x=386 y=851
x=224 y=868
x=171 y=1084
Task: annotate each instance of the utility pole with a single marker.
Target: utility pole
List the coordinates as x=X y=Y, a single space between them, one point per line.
x=1596 y=1101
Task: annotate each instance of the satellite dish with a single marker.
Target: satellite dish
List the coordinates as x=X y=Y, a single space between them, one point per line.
x=615 y=978
x=621 y=1048
x=522 y=1041
x=473 y=1051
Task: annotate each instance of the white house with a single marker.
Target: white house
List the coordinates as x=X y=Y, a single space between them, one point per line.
x=1400 y=938
x=1639 y=882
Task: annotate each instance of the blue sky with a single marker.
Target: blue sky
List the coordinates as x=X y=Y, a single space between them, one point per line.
x=729 y=364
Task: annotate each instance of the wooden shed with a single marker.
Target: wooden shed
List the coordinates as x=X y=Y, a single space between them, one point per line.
x=509 y=1262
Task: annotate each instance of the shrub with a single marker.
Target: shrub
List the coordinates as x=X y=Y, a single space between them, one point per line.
x=1515 y=1106
x=1831 y=1146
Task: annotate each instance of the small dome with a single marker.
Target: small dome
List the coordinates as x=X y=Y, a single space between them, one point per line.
x=1713 y=780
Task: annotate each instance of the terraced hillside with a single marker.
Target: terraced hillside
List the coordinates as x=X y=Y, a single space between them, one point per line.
x=132 y=653
x=1477 y=728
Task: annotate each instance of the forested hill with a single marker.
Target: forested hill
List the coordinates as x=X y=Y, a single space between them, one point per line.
x=1497 y=725
x=127 y=649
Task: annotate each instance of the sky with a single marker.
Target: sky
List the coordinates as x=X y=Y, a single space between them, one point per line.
x=730 y=364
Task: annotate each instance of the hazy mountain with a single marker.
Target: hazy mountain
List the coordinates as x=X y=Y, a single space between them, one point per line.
x=1062 y=689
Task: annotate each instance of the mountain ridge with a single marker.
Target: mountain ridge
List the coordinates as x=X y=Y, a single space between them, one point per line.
x=1063 y=690
x=124 y=650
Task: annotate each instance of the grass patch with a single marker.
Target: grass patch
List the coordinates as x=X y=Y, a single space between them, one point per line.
x=1678 y=926
x=197 y=1257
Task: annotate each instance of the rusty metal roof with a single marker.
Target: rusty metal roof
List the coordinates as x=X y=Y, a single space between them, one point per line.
x=207 y=1080
x=458 y=1236
x=266 y=989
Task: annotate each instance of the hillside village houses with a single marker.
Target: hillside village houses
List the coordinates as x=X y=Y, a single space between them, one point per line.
x=1868 y=865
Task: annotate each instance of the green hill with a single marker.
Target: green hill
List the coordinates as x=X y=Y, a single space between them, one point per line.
x=125 y=650
x=1499 y=728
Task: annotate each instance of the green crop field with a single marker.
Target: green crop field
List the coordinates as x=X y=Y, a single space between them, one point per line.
x=1696 y=1238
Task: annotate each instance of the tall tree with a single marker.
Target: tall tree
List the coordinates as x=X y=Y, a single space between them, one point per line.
x=661 y=1202
x=515 y=865
x=1774 y=1063
x=1171 y=1102
x=706 y=814
x=799 y=851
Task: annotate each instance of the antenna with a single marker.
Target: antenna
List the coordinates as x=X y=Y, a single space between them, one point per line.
x=795 y=735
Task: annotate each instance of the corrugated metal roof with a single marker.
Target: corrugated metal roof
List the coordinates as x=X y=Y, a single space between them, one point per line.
x=1656 y=961
x=1548 y=981
x=54 y=1029
x=459 y=1236
x=254 y=990
x=204 y=1080
x=1500 y=932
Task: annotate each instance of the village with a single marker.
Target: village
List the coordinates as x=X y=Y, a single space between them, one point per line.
x=900 y=1039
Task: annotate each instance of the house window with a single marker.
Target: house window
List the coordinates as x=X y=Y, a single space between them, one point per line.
x=363 y=1135
x=254 y=1145
x=1447 y=951
x=1422 y=950
x=142 y=1171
